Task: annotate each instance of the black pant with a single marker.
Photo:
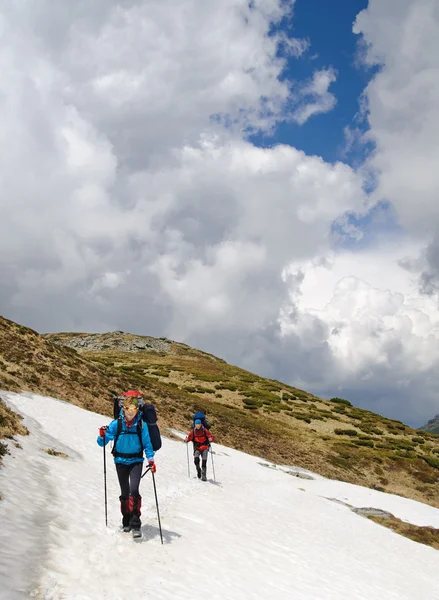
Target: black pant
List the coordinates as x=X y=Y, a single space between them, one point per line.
x=130 y=498
x=129 y=479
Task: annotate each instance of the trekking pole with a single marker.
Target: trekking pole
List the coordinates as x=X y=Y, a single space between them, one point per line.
x=187 y=453
x=157 y=504
x=105 y=484
x=156 y=501
x=213 y=466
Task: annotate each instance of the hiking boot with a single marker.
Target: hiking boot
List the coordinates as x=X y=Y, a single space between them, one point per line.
x=137 y=533
x=203 y=477
x=135 y=523
x=126 y=523
x=199 y=473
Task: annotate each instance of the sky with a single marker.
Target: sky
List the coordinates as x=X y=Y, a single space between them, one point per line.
x=256 y=179
x=288 y=535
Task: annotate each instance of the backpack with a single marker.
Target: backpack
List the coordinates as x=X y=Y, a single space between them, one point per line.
x=149 y=416
x=203 y=419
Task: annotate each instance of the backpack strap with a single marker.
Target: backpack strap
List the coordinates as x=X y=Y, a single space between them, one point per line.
x=120 y=431
x=139 y=432
x=196 y=444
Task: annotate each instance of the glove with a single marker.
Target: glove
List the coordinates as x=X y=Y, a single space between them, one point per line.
x=210 y=439
x=152 y=465
x=102 y=431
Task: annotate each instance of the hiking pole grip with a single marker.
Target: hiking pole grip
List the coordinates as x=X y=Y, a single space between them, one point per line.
x=147 y=470
x=105 y=484
x=157 y=505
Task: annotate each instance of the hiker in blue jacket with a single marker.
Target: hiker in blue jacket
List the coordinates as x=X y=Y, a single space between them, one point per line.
x=131 y=439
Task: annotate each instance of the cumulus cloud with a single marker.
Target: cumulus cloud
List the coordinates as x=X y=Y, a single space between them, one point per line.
x=402 y=39
x=132 y=200
x=358 y=314
x=126 y=174
x=380 y=338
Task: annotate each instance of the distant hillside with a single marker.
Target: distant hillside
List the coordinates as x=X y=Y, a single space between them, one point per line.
x=432 y=426
x=264 y=417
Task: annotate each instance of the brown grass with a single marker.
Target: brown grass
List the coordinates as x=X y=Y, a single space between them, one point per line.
x=53 y=452
x=10 y=425
x=423 y=535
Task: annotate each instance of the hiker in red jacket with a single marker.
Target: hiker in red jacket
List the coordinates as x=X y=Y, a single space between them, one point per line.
x=201 y=438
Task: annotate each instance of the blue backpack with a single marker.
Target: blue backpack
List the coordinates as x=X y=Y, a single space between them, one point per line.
x=202 y=417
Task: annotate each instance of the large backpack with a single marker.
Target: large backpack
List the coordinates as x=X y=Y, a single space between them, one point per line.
x=203 y=419
x=149 y=416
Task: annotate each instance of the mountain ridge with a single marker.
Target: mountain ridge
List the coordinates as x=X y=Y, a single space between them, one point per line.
x=264 y=417
x=432 y=426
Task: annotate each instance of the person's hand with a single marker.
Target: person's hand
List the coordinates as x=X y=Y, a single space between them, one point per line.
x=152 y=465
x=102 y=431
x=185 y=439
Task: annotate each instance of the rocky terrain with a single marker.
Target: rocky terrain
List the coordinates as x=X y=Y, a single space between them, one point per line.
x=432 y=426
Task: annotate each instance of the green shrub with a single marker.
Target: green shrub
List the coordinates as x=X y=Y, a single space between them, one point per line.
x=250 y=402
x=355 y=416
x=350 y=432
x=418 y=440
x=211 y=378
x=371 y=430
x=190 y=388
x=226 y=386
x=272 y=408
x=402 y=444
x=302 y=417
x=368 y=443
x=341 y=401
x=433 y=462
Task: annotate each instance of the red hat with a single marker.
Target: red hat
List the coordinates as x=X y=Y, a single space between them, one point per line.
x=132 y=394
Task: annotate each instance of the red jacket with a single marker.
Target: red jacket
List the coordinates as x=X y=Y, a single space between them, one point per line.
x=200 y=437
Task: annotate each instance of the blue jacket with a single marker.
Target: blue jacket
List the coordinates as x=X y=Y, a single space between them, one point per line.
x=128 y=441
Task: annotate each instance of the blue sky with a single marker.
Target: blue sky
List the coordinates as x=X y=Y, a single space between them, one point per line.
x=327 y=24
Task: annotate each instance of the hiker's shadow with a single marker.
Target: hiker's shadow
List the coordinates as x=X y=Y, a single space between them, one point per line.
x=218 y=483
x=149 y=532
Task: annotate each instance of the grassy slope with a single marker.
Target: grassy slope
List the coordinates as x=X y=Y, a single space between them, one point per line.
x=276 y=421
x=250 y=413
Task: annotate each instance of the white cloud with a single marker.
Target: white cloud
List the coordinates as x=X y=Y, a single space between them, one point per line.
x=314 y=97
x=121 y=150
x=379 y=331
x=125 y=177
x=402 y=37
x=294 y=46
